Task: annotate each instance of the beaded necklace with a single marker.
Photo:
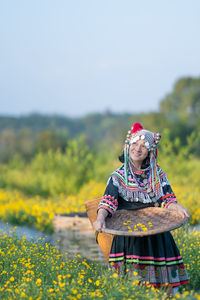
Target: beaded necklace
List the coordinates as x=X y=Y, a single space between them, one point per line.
x=144 y=184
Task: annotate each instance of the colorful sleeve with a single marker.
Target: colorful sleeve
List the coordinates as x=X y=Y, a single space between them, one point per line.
x=168 y=194
x=110 y=198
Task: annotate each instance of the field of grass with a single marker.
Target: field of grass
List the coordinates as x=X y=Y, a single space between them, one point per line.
x=38 y=271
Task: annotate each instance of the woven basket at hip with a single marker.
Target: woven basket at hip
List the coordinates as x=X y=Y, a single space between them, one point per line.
x=104 y=239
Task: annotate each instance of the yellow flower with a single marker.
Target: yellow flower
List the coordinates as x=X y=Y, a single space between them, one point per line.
x=28 y=279
x=23 y=295
x=135 y=273
x=62 y=285
x=197 y=296
x=12 y=278
x=38 y=281
x=59 y=277
x=144 y=229
x=74 y=291
x=97 y=283
x=115 y=275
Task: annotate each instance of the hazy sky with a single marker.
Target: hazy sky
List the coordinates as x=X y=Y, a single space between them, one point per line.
x=75 y=57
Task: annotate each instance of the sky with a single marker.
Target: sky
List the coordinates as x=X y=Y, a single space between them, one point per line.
x=75 y=57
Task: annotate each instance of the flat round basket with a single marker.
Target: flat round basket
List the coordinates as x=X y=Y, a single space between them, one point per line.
x=143 y=222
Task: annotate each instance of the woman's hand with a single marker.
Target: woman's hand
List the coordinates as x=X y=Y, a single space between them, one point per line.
x=99 y=224
x=100 y=221
x=183 y=212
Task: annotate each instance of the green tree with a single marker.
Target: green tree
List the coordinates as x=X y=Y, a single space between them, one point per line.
x=49 y=139
x=8 y=142
x=183 y=103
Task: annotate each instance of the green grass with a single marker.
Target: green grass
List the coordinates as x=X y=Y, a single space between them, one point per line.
x=38 y=271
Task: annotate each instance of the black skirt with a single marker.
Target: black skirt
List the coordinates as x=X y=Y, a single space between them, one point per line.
x=153 y=259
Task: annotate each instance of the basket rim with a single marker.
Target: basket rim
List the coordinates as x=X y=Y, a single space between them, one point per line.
x=159 y=229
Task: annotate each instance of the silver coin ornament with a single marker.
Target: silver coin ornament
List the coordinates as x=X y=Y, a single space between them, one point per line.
x=152 y=194
x=149 y=190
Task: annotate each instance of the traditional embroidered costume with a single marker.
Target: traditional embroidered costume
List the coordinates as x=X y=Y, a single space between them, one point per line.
x=155 y=258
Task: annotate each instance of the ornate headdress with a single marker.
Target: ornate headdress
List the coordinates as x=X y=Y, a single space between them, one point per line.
x=151 y=141
x=137 y=132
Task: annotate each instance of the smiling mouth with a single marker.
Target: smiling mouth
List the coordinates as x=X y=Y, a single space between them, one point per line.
x=136 y=154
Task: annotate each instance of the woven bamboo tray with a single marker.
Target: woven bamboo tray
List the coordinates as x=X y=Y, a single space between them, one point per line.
x=143 y=222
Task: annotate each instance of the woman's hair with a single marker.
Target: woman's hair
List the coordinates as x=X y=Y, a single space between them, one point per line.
x=145 y=163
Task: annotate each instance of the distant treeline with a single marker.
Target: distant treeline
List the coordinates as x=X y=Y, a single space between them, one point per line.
x=179 y=113
x=29 y=134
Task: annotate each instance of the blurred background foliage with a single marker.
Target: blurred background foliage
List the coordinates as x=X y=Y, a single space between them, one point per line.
x=54 y=164
x=179 y=112
x=48 y=155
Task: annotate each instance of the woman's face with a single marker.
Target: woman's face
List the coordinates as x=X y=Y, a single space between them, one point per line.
x=138 y=151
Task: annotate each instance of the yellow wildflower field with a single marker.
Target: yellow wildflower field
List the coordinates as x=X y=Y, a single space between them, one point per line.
x=17 y=208
x=31 y=270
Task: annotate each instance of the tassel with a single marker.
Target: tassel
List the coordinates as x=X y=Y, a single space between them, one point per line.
x=155 y=182
x=126 y=163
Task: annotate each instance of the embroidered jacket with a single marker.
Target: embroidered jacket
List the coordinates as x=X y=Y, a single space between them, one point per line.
x=118 y=195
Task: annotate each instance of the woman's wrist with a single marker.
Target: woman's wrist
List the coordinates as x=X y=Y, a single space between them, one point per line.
x=171 y=204
x=100 y=218
x=102 y=214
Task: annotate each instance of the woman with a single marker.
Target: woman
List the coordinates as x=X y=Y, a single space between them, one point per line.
x=137 y=184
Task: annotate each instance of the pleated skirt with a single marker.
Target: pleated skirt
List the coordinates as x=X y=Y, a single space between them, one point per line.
x=153 y=259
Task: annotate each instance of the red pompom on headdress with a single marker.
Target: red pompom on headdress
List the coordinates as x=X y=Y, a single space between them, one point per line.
x=136 y=127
